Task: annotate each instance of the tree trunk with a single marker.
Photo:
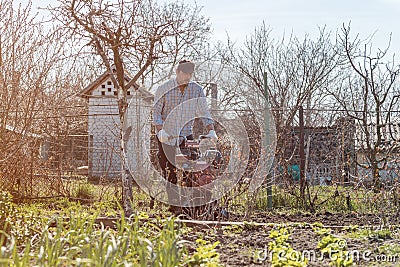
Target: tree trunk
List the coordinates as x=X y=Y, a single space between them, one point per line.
x=126 y=178
x=376 y=178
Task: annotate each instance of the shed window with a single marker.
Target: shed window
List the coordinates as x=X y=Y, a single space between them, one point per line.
x=109 y=89
x=128 y=93
x=115 y=93
x=109 y=83
x=103 y=92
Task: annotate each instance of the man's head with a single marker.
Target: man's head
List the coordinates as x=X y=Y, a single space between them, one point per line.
x=184 y=71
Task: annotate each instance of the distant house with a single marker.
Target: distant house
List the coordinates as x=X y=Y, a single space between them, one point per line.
x=104 y=157
x=60 y=153
x=329 y=152
x=389 y=149
x=28 y=143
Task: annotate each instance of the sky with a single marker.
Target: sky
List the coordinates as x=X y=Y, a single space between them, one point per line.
x=238 y=19
x=379 y=18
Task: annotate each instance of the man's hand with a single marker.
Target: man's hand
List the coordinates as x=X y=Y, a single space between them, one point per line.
x=211 y=134
x=162 y=136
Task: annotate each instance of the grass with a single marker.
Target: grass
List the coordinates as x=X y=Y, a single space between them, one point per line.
x=380 y=234
x=320 y=199
x=389 y=249
x=66 y=233
x=76 y=240
x=328 y=198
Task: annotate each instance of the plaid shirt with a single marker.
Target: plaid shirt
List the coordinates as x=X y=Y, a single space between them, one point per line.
x=177 y=111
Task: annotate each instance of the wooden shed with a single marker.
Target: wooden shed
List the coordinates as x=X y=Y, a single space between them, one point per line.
x=104 y=157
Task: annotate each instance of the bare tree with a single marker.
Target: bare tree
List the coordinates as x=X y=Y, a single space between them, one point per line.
x=31 y=81
x=132 y=35
x=298 y=71
x=369 y=95
x=17 y=100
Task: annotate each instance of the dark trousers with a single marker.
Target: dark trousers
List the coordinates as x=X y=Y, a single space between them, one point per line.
x=167 y=164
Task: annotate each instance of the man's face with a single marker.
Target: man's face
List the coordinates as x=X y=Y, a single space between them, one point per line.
x=183 y=77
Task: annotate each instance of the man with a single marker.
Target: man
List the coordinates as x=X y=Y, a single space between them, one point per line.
x=177 y=103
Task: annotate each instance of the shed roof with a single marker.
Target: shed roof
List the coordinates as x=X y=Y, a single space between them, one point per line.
x=87 y=91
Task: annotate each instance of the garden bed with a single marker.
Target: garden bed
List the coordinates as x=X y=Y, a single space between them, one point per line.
x=63 y=232
x=307 y=244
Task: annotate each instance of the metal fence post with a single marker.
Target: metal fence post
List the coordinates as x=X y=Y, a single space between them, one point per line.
x=267 y=140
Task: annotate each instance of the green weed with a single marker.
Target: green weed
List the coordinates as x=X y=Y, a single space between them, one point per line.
x=282 y=253
x=75 y=239
x=334 y=247
x=381 y=234
x=233 y=229
x=205 y=255
x=389 y=249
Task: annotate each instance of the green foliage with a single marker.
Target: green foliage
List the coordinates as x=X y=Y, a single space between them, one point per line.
x=249 y=225
x=351 y=228
x=323 y=198
x=74 y=238
x=85 y=191
x=280 y=236
x=205 y=255
x=282 y=253
x=62 y=232
x=334 y=247
x=167 y=245
x=389 y=249
x=232 y=229
x=381 y=234
x=25 y=225
x=320 y=230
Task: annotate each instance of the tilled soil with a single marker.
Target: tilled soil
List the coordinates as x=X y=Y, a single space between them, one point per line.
x=247 y=245
x=327 y=219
